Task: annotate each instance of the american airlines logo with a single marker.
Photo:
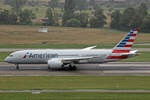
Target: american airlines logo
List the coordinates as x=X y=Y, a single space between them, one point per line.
x=46 y=55
x=25 y=56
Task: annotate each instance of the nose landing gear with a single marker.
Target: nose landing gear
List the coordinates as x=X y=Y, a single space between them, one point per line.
x=17 y=67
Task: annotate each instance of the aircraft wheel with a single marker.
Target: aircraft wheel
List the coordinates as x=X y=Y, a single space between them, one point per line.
x=17 y=67
x=49 y=68
x=72 y=67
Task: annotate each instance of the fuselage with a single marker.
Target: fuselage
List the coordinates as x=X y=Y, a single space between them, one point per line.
x=42 y=56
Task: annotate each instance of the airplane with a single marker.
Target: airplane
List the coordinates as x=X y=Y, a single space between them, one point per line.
x=58 y=59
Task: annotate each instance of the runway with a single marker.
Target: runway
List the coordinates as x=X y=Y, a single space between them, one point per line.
x=108 y=69
x=76 y=91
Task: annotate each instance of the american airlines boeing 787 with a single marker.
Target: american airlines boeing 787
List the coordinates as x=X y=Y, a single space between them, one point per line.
x=57 y=59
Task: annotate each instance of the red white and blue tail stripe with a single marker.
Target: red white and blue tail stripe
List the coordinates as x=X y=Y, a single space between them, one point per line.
x=123 y=49
x=126 y=44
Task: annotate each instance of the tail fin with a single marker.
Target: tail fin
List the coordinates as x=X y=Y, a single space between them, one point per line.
x=126 y=44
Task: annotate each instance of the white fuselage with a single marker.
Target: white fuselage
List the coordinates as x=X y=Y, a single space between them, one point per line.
x=42 y=56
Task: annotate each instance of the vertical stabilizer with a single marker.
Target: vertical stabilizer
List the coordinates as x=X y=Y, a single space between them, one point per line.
x=126 y=44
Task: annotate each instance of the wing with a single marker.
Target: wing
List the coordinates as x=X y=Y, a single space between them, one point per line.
x=89 y=48
x=73 y=60
x=76 y=59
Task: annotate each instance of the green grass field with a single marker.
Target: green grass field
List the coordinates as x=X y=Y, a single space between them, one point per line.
x=53 y=46
x=3 y=55
x=75 y=82
x=75 y=96
x=142 y=57
x=64 y=46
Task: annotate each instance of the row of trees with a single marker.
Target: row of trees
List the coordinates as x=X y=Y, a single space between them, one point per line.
x=16 y=15
x=77 y=4
x=131 y=17
x=76 y=16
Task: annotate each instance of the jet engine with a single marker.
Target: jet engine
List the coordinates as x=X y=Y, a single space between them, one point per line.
x=55 y=63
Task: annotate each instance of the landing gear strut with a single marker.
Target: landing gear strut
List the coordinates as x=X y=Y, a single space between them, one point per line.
x=17 y=67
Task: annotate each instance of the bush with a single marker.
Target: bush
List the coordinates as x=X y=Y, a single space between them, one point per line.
x=26 y=16
x=115 y=20
x=73 y=23
x=145 y=27
x=7 y=17
x=98 y=20
x=52 y=17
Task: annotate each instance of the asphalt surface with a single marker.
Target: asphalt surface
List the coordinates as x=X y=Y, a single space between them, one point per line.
x=13 y=49
x=108 y=69
x=77 y=91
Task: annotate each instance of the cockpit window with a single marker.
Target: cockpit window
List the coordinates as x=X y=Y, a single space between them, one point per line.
x=11 y=56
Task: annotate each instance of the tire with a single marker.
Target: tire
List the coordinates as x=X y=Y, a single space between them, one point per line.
x=72 y=67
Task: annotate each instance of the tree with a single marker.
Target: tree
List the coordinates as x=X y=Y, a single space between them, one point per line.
x=4 y=17
x=33 y=3
x=115 y=20
x=53 y=3
x=81 y=4
x=6 y=2
x=126 y=20
x=7 y=17
x=69 y=9
x=26 y=16
x=17 y=4
x=133 y=17
x=145 y=27
x=141 y=12
x=83 y=19
x=92 y=3
x=73 y=23
x=98 y=20
x=12 y=18
x=52 y=17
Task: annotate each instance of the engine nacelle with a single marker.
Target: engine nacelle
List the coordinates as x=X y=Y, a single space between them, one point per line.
x=55 y=63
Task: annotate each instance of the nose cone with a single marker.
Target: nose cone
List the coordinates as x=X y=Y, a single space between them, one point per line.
x=6 y=59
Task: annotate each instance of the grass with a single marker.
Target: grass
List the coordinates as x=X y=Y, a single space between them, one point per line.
x=3 y=55
x=74 y=82
x=12 y=35
x=53 y=46
x=64 y=46
x=144 y=55
x=75 y=96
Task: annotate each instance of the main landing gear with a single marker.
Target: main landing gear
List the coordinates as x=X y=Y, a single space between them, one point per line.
x=72 y=67
x=65 y=68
